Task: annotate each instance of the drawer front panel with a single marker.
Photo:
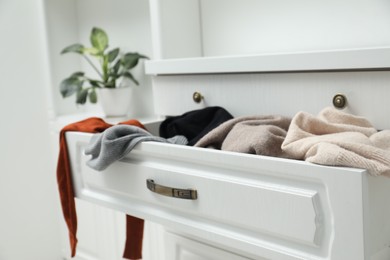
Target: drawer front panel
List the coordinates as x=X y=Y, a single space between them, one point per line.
x=278 y=209
x=267 y=203
x=277 y=93
x=182 y=248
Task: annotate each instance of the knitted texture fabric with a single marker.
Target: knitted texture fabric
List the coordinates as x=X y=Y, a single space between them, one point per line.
x=336 y=138
x=194 y=124
x=133 y=246
x=118 y=141
x=261 y=135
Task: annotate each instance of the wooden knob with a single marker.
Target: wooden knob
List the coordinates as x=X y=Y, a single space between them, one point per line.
x=197 y=97
x=339 y=101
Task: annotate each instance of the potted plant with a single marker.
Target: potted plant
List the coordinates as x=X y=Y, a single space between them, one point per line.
x=113 y=67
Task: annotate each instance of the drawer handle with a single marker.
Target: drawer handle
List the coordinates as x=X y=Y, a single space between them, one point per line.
x=189 y=194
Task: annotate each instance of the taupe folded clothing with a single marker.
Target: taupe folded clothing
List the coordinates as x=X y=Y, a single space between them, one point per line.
x=262 y=135
x=336 y=138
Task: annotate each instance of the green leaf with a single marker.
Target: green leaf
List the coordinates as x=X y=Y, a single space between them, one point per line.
x=94 y=83
x=93 y=51
x=114 y=76
x=130 y=60
x=110 y=84
x=115 y=68
x=82 y=96
x=77 y=48
x=70 y=85
x=77 y=74
x=92 y=96
x=99 y=39
x=130 y=76
x=113 y=54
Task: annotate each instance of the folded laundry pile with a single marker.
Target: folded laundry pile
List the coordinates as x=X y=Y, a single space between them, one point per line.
x=336 y=138
x=333 y=138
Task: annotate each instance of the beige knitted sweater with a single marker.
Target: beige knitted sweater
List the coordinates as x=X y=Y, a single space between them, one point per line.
x=262 y=135
x=338 y=139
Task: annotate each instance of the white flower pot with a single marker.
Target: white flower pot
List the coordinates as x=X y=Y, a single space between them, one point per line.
x=115 y=102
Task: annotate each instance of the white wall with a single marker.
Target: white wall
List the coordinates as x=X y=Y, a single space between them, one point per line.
x=127 y=23
x=195 y=28
x=29 y=215
x=233 y=27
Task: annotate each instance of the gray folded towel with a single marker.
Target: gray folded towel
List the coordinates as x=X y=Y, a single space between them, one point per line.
x=117 y=141
x=262 y=135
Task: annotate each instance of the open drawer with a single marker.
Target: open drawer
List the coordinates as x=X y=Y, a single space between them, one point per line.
x=255 y=205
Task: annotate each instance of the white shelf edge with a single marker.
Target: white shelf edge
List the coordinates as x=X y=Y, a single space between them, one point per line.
x=348 y=59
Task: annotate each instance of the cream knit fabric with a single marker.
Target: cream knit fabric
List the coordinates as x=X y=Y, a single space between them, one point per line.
x=338 y=139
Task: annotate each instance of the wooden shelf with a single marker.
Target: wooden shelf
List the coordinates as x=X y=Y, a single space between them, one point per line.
x=351 y=59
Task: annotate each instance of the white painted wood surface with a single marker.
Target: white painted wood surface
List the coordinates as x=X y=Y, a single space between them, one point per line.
x=349 y=59
x=184 y=248
x=277 y=93
x=252 y=205
x=176 y=28
x=241 y=27
x=251 y=27
x=317 y=208
x=198 y=34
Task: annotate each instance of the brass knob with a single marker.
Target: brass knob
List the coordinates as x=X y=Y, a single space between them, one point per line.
x=339 y=101
x=197 y=97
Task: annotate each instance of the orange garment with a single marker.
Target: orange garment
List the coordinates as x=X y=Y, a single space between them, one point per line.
x=134 y=230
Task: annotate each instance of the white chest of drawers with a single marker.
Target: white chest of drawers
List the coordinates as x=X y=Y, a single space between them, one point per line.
x=247 y=206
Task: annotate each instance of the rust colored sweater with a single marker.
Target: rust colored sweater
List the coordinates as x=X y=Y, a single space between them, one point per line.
x=134 y=229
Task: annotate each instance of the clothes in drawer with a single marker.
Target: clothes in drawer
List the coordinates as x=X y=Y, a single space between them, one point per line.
x=254 y=205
